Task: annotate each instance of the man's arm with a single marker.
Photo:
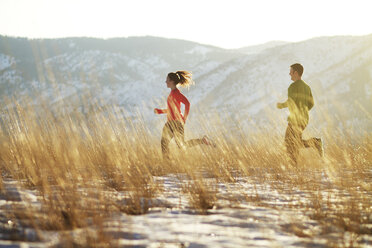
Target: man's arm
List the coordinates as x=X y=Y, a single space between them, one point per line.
x=310 y=101
x=285 y=104
x=281 y=105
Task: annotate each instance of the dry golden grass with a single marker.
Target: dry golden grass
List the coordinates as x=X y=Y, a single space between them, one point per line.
x=71 y=159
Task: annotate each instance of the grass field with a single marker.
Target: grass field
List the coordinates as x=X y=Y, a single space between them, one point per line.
x=74 y=180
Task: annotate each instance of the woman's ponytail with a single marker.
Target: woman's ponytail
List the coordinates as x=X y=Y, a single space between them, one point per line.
x=181 y=77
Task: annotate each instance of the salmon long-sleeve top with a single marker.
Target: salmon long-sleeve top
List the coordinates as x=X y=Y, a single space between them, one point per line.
x=173 y=110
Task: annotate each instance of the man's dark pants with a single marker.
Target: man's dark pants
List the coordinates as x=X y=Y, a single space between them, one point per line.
x=293 y=141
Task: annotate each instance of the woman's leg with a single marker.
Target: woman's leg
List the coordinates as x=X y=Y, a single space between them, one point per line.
x=180 y=138
x=195 y=142
x=166 y=137
x=179 y=133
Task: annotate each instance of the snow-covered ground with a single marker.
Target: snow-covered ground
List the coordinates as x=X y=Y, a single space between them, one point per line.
x=248 y=213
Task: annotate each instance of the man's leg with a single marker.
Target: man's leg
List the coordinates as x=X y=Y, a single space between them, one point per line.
x=293 y=142
x=315 y=143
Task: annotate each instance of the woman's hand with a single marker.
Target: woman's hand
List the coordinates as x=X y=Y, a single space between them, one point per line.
x=160 y=111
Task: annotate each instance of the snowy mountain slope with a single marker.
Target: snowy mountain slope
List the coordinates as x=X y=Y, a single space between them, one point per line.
x=125 y=68
x=333 y=68
x=130 y=72
x=261 y=47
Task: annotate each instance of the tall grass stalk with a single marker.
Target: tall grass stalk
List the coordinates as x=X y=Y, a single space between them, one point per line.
x=72 y=158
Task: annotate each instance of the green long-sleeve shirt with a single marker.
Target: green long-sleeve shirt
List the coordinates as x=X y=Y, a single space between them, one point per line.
x=300 y=101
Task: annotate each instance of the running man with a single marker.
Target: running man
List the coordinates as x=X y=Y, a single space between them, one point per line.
x=300 y=101
x=174 y=127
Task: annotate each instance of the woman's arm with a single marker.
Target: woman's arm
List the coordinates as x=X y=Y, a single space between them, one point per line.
x=160 y=111
x=186 y=102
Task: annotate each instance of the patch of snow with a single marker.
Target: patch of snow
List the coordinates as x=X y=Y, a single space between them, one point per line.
x=71 y=44
x=368 y=88
x=205 y=68
x=6 y=61
x=156 y=61
x=10 y=77
x=202 y=50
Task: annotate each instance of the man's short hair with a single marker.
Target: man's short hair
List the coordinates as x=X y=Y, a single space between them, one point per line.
x=299 y=68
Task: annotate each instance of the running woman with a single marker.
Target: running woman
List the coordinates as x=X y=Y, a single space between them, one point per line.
x=174 y=128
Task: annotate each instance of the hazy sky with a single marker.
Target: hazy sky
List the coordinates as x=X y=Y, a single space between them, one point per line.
x=228 y=24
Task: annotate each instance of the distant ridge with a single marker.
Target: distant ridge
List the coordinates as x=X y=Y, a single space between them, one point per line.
x=259 y=48
x=245 y=83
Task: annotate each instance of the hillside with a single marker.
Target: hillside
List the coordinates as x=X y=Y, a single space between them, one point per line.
x=130 y=73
